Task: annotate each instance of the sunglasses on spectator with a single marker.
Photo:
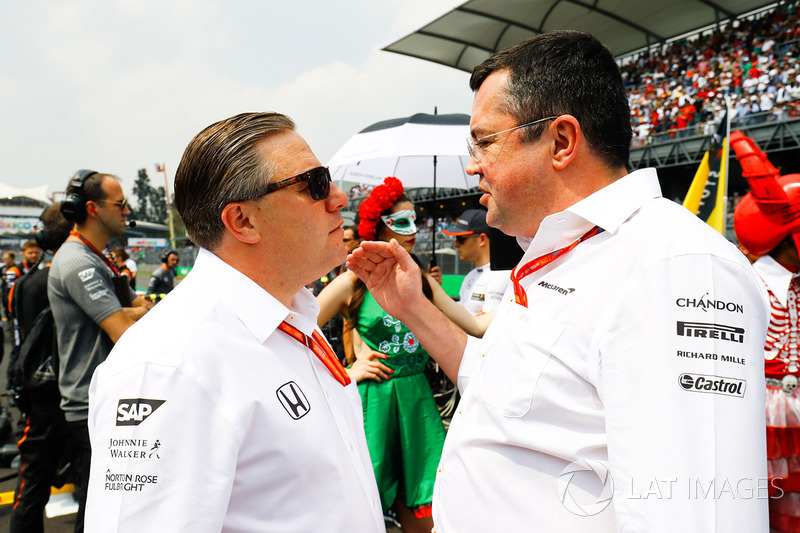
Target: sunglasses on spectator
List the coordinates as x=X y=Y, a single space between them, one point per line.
x=463 y=238
x=319 y=182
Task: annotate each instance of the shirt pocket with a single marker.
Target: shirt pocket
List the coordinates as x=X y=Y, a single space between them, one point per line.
x=514 y=359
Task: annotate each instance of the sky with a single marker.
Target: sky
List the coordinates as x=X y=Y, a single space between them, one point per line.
x=119 y=85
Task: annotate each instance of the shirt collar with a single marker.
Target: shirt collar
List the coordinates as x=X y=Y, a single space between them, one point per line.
x=776 y=276
x=608 y=208
x=259 y=311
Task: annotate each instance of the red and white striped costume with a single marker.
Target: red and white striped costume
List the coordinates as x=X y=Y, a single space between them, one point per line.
x=782 y=366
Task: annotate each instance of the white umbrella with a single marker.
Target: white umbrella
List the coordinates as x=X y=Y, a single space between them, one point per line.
x=421 y=151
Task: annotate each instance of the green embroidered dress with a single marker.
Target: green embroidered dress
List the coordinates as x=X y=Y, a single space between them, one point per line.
x=402 y=423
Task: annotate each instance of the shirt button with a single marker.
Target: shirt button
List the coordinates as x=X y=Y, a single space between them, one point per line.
x=327 y=394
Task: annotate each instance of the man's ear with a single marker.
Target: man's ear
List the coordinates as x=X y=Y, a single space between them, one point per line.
x=237 y=218
x=566 y=132
x=483 y=239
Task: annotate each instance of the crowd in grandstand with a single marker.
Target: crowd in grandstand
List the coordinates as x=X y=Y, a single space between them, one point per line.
x=681 y=91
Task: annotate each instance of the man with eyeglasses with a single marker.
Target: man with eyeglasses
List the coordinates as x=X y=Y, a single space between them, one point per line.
x=482 y=288
x=226 y=408
x=626 y=372
x=92 y=305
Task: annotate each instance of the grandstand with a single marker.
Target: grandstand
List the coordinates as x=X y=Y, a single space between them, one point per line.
x=680 y=62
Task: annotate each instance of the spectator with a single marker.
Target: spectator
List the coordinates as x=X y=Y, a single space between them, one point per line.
x=482 y=288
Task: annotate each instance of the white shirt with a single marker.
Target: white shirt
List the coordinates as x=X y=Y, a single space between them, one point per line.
x=597 y=369
x=775 y=276
x=132 y=266
x=483 y=288
x=205 y=417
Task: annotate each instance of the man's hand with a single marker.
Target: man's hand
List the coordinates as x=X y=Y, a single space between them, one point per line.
x=391 y=276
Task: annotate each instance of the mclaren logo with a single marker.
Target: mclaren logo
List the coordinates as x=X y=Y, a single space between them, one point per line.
x=134 y=411
x=293 y=400
x=556 y=288
x=712 y=384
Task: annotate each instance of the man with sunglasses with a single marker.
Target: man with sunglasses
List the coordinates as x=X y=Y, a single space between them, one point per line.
x=226 y=409
x=626 y=371
x=92 y=306
x=482 y=288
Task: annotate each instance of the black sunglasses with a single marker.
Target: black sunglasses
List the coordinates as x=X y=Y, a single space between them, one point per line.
x=461 y=239
x=319 y=182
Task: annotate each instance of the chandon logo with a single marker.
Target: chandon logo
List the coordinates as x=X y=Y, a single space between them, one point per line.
x=705 y=304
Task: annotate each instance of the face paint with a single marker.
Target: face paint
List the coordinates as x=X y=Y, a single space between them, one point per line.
x=401 y=222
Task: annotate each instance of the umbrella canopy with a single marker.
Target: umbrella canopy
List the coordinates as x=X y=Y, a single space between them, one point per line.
x=405 y=148
x=471 y=32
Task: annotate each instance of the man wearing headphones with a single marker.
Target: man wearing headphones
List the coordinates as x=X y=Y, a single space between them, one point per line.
x=161 y=279
x=92 y=306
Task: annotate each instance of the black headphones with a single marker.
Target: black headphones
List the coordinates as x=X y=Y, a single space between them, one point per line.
x=166 y=254
x=73 y=207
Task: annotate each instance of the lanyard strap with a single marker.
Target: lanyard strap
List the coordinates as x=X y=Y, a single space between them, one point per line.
x=95 y=250
x=321 y=349
x=527 y=269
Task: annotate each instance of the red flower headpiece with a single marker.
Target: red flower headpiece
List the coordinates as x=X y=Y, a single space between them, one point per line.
x=380 y=199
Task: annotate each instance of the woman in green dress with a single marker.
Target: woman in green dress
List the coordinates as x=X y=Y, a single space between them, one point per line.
x=401 y=420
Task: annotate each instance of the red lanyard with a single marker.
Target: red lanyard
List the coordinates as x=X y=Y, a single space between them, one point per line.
x=540 y=262
x=321 y=349
x=95 y=250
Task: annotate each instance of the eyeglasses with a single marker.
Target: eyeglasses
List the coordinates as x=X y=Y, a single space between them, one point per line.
x=122 y=204
x=477 y=147
x=319 y=182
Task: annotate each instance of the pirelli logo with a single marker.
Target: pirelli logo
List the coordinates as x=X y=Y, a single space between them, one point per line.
x=706 y=330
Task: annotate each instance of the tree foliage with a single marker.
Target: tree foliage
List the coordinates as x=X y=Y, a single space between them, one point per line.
x=151 y=204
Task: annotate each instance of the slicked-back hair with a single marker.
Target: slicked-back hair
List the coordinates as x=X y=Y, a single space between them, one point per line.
x=222 y=164
x=565 y=72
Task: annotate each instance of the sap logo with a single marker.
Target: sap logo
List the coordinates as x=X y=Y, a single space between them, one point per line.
x=86 y=275
x=712 y=384
x=133 y=411
x=293 y=400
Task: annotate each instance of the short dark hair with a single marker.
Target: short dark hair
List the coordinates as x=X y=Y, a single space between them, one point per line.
x=222 y=164
x=565 y=72
x=30 y=244
x=56 y=227
x=121 y=253
x=92 y=190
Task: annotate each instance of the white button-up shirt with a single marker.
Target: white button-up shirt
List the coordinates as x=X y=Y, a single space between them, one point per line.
x=640 y=355
x=205 y=417
x=483 y=289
